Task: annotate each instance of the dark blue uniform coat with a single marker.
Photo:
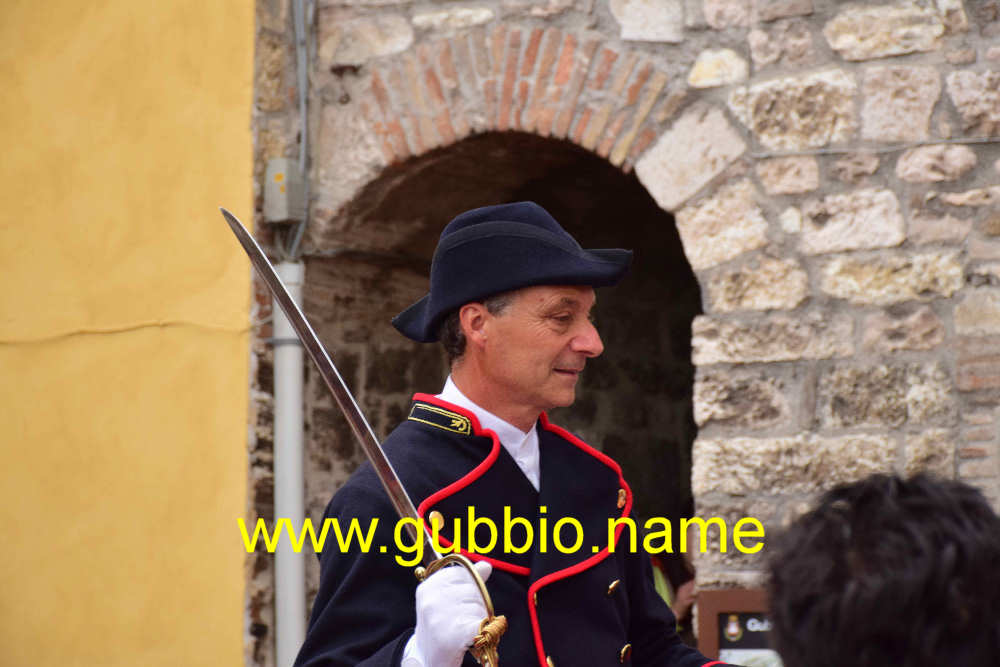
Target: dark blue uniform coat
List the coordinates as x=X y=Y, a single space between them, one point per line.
x=589 y=608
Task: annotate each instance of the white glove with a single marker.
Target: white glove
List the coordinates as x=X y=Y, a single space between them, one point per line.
x=449 y=612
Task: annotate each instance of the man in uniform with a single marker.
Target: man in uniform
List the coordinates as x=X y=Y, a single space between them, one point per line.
x=510 y=299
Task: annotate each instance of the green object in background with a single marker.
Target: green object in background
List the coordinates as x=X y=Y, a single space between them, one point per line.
x=662 y=586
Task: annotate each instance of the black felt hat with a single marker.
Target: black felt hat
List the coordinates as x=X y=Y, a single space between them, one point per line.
x=494 y=249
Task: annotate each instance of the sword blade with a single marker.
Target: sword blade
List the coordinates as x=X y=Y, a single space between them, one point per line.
x=331 y=376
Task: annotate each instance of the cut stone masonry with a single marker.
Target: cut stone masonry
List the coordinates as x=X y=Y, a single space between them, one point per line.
x=832 y=171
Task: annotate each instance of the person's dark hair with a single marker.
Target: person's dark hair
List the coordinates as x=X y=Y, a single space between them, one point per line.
x=888 y=571
x=451 y=335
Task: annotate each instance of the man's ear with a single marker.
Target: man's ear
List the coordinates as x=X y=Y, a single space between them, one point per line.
x=473 y=318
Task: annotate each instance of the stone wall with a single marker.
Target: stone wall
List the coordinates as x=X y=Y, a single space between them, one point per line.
x=833 y=173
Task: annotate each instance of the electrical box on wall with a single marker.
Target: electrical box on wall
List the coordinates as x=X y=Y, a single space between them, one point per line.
x=284 y=194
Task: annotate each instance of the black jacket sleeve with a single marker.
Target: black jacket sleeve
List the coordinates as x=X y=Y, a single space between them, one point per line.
x=364 y=610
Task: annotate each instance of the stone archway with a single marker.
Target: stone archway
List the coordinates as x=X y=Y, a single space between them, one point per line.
x=546 y=81
x=405 y=111
x=634 y=402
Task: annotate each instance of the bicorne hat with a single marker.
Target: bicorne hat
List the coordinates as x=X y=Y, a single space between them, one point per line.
x=494 y=249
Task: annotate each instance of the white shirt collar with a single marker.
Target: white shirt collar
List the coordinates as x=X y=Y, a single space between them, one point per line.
x=523 y=447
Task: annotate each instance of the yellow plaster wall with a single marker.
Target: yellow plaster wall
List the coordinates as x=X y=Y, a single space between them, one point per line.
x=124 y=307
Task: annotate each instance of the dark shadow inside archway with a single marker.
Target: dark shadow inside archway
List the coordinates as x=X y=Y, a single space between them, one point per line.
x=372 y=260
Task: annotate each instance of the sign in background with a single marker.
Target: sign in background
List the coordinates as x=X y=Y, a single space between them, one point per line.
x=743 y=639
x=733 y=627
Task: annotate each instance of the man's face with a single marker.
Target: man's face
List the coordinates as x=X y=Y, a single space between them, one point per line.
x=536 y=348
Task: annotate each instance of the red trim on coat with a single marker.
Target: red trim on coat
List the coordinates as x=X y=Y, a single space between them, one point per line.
x=714 y=662
x=465 y=481
x=588 y=563
x=481 y=469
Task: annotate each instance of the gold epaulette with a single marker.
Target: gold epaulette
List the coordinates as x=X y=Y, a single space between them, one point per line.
x=441 y=418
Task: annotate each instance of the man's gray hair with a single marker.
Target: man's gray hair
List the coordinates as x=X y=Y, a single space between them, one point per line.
x=452 y=337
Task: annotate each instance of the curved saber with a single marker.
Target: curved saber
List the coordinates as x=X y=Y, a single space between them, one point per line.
x=359 y=425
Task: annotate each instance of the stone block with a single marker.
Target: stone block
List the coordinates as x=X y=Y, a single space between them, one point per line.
x=769 y=10
x=649 y=20
x=855 y=166
x=346 y=157
x=362 y=3
x=709 y=578
x=788 y=175
x=977 y=97
x=731 y=510
x=743 y=400
x=985 y=468
x=723 y=226
x=272 y=78
x=978 y=418
x=764 y=50
x=791 y=220
x=893 y=278
x=961 y=56
x=885 y=396
x=717 y=67
x=275 y=138
x=980 y=249
x=933 y=164
x=545 y=9
x=932 y=451
x=898 y=102
x=938 y=229
x=862 y=33
x=721 y=14
x=273 y=15
x=978 y=313
x=804 y=463
x=354 y=42
x=786 y=42
x=795 y=113
x=763 y=285
x=868 y=218
x=970 y=198
x=687 y=156
x=953 y=14
x=986 y=16
x=984 y=275
x=981 y=434
x=893 y=330
x=978 y=364
x=814 y=335
x=694 y=17
x=454 y=18
x=991 y=226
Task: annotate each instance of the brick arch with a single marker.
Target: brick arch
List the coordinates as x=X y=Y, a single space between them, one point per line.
x=567 y=85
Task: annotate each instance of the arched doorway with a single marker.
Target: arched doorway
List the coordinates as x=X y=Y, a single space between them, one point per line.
x=373 y=259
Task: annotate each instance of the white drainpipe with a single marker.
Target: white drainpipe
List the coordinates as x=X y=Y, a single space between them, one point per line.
x=289 y=567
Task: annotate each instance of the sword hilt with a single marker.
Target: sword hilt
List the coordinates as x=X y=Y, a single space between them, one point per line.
x=484 y=646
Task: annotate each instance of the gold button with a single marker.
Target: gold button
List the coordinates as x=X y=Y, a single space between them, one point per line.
x=621 y=498
x=437 y=519
x=548 y=661
x=534 y=598
x=625 y=653
x=613 y=587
